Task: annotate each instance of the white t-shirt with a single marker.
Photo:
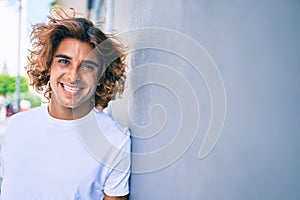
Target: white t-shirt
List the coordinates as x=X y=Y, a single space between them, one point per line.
x=46 y=158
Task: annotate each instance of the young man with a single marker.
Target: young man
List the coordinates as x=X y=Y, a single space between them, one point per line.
x=69 y=149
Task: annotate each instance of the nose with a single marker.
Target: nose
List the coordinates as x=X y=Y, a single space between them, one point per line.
x=73 y=74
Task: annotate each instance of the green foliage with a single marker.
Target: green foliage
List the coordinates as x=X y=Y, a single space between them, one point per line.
x=53 y=3
x=8 y=84
x=8 y=89
x=34 y=99
x=24 y=85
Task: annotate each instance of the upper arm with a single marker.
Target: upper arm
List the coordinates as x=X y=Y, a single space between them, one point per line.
x=115 y=198
x=116 y=185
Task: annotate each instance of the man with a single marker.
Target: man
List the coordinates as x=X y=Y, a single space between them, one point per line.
x=69 y=149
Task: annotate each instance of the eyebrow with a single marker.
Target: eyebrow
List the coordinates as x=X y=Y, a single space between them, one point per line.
x=69 y=58
x=90 y=62
x=63 y=56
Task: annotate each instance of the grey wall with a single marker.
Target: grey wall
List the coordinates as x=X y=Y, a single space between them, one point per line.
x=255 y=45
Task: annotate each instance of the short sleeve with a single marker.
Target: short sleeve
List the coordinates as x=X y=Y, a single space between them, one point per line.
x=2 y=159
x=4 y=146
x=117 y=180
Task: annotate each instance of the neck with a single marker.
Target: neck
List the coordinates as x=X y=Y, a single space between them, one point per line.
x=66 y=113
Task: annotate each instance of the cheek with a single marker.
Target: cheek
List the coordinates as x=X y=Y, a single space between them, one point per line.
x=56 y=73
x=92 y=81
x=52 y=71
x=52 y=77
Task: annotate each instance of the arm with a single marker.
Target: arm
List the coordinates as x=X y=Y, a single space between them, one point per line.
x=115 y=198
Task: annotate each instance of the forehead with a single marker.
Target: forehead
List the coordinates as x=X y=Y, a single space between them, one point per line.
x=76 y=49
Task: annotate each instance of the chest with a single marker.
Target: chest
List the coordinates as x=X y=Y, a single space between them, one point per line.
x=54 y=159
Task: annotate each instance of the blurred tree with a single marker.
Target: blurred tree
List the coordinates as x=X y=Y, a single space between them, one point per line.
x=8 y=89
x=8 y=84
x=24 y=84
x=34 y=99
x=53 y=3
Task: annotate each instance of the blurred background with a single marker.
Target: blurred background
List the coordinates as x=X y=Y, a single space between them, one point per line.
x=255 y=46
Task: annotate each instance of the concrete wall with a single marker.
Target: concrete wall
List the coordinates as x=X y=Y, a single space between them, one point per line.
x=255 y=46
x=80 y=6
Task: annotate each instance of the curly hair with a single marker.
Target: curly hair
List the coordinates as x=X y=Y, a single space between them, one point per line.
x=45 y=38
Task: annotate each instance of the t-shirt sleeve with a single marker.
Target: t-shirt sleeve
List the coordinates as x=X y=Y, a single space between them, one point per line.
x=1 y=161
x=117 y=180
x=4 y=146
x=2 y=157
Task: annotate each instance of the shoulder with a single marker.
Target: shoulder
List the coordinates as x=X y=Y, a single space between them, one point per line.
x=112 y=130
x=26 y=116
x=109 y=123
x=25 y=120
x=21 y=124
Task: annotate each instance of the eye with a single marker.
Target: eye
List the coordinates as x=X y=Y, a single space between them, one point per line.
x=64 y=61
x=88 y=67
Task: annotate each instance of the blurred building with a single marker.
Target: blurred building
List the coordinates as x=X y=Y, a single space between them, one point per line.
x=80 y=6
x=96 y=10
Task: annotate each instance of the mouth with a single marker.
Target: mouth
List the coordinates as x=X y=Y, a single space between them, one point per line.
x=71 y=89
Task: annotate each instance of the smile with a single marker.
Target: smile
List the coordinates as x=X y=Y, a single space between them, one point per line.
x=70 y=89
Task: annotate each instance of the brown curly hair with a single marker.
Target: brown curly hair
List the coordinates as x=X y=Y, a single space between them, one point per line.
x=45 y=38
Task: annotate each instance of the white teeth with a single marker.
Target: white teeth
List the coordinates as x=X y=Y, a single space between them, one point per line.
x=71 y=89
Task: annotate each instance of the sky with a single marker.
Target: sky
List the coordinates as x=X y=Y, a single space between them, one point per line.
x=33 y=11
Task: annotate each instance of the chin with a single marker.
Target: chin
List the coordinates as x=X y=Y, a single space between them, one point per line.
x=78 y=103
x=71 y=106
x=75 y=105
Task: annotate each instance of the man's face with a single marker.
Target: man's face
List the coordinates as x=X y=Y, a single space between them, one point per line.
x=74 y=74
